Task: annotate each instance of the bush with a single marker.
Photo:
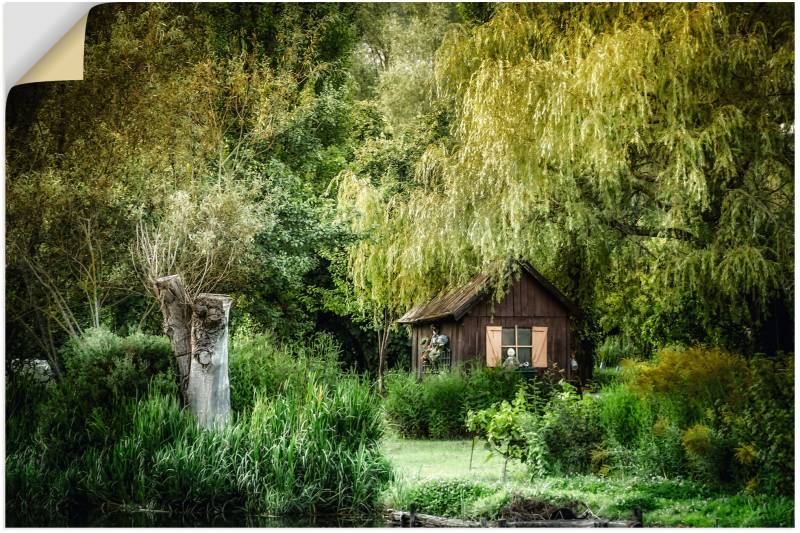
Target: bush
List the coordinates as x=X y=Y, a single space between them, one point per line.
x=505 y=426
x=560 y=437
x=571 y=431
x=487 y=386
x=452 y=498
x=261 y=366
x=103 y=374
x=694 y=379
x=763 y=427
x=443 y=396
x=437 y=407
x=314 y=448
x=732 y=417
x=623 y=414
x=404 y=405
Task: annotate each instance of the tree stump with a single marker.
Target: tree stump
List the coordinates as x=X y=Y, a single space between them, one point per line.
x=208 y=391
x=177 y=314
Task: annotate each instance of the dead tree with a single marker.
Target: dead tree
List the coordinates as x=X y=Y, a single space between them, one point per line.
x=177 y=313
x=198 y=332
x=209 y=389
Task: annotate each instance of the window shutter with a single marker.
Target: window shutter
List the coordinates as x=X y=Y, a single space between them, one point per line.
x=539 y=355
x=493 y=334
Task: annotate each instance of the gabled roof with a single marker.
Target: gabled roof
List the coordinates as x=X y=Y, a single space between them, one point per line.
x=455 y=304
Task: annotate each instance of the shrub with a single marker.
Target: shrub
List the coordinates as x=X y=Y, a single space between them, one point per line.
x=623 y=414
x=437 y=407
x=260 y=365
x=446 y=497
x=103 y=373
x=561 y=437
x=571 y=431
x=694 y=379
x=443 y=396
x=404 y=405
x=735 y=416
x=486 y=386
x=505 y=427
x=659 y=451
x=763 y=427
x=707 y=454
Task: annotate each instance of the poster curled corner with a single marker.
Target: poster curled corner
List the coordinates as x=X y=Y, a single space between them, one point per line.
x=63 y=61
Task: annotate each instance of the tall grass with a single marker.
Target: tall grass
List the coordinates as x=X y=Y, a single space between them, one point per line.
x=261 y=365
x=312 y=449
x=437 y=407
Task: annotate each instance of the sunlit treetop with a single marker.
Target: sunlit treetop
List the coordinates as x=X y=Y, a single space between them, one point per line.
x=640 y=137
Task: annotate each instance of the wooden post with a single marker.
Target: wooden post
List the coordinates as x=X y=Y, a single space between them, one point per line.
x=502 y=523
x=484 y=522
x=413 y=518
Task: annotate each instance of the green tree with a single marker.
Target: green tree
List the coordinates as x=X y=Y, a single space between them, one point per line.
x=202 y=137
x=644 y=145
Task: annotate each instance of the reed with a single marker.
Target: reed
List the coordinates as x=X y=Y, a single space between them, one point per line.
x=313 y=449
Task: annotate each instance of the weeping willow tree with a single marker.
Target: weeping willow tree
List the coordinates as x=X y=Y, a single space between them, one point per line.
x=640 y=155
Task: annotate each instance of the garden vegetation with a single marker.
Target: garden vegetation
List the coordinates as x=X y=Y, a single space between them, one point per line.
x=305 y=439
x=330 y=166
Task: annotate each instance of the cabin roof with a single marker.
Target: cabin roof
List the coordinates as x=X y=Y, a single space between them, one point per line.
x=457 y=303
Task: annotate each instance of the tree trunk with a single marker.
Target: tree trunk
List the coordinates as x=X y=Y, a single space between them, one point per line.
x=177 y=325
x=209 y=389
x=383 y=340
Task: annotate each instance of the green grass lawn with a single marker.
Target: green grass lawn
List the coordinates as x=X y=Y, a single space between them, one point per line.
x=415 y=460
x=665 y=502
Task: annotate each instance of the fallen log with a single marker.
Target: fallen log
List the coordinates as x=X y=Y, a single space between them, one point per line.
x=403 y=519
x=576 y=522
x=414 y=519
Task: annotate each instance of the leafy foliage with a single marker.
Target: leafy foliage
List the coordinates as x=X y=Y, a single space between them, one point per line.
x=263 y=367
x=504 y=426
x=437 y=406
x=639 y=155
x=91 y=405
x=404 y=405
x=308 y=444
x=446 y=498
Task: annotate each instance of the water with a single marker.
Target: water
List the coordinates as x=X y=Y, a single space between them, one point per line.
x=159 y=519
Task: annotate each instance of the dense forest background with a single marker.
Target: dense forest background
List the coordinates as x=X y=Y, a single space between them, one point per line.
x=331 y=165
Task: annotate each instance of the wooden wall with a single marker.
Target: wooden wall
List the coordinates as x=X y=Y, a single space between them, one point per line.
x=526 y=304
x=453 y=331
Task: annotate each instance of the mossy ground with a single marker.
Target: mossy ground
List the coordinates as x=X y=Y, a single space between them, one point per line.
x=665 y=502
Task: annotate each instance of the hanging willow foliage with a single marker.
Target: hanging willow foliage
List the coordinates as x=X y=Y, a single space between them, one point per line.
x=655 y=139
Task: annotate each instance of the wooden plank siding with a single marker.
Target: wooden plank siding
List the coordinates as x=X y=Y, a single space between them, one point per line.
x=526 y=304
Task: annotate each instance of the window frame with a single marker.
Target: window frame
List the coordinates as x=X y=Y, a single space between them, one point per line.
x=504 y=347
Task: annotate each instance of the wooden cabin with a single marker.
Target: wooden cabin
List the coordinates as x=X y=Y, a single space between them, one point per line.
x=533 y=318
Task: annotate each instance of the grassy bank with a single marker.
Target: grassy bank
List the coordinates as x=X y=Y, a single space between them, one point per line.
x=304 y=438
x=437 y=475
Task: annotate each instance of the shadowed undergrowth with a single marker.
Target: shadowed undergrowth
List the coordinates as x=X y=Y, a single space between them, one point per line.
x=312 y=450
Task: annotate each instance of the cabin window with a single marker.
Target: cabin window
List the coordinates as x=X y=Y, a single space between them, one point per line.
x=519 y=340
x=529 y=345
